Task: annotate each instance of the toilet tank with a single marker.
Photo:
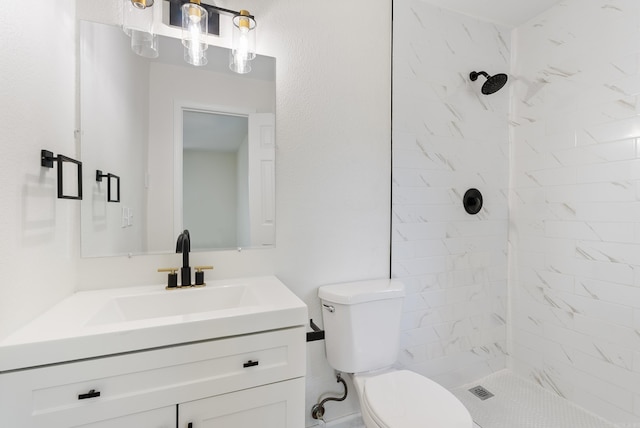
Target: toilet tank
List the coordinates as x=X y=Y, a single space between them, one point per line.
x=362 y=323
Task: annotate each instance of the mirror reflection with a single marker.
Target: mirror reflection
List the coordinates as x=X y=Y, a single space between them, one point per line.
x=219 y=190
x=194 y=148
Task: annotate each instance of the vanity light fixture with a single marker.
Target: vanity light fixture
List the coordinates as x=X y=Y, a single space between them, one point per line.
x=137 y=22
x=195 y=27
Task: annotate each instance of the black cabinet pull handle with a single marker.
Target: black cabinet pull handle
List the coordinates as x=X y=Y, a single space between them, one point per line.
x=91 y=394
x=190 y=425
x=250 y=364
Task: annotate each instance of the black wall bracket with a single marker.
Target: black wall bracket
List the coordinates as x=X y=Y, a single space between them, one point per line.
x=47 y=159
x=316 y=334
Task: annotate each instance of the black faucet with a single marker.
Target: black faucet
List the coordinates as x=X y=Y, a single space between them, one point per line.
x=183 y=245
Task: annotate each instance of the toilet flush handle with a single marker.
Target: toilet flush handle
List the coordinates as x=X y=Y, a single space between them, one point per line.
x=330 y=308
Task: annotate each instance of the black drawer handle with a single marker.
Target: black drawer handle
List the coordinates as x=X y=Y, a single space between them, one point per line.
x=250 y=364
x=91 y=394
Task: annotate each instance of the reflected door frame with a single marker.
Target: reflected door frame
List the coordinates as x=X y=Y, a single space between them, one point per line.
x=179 y=107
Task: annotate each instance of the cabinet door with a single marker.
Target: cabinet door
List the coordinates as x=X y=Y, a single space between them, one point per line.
x=278 y=405
x=164 y=417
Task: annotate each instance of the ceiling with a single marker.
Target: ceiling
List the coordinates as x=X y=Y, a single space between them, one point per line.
x=506 y=12
x=212 y=131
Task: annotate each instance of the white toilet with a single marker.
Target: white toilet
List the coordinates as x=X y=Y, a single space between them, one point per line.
x=362 y=332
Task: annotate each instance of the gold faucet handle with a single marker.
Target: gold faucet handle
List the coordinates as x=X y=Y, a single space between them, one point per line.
x=200 y=275
x=170 y=270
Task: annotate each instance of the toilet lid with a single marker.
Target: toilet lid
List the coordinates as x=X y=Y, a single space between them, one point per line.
x=404 y=399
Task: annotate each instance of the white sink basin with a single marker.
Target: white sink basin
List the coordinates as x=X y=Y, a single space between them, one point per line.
x=91 y=324
x=175 y=303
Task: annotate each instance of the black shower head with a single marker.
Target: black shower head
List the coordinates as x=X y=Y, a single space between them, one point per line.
x=493 y=84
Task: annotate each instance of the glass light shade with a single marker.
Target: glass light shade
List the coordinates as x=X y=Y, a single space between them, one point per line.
x=195 y=20
x=239 y=64
x=144 y=44
x=244 y=37
x=138 y=23
x=195 y=58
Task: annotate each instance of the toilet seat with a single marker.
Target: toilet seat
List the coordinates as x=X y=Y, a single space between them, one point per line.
x=404 y=399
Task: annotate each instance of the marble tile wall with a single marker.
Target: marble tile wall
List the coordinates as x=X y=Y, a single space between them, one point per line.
x=575 y=205
x=447 y=138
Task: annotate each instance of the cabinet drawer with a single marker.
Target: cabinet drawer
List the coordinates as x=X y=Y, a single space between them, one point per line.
x=86 y=391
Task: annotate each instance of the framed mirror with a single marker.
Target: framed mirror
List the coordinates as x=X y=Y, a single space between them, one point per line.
x=194 y=148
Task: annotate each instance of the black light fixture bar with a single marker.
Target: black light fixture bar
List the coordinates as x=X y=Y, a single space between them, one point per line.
x=175 y=15
x=225 y=11
x=210 y=7
x=47 y=159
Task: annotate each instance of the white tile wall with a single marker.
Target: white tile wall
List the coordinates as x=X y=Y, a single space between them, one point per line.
x=447 y=138
x=571 y=204
x=575 y=221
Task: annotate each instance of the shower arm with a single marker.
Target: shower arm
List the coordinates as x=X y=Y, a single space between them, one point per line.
x=474 y=75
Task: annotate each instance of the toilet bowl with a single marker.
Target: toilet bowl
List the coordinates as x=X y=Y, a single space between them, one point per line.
x=406 y=399
x=362 y=330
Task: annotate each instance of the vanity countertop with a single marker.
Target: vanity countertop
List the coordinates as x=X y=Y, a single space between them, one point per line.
x=91 y=324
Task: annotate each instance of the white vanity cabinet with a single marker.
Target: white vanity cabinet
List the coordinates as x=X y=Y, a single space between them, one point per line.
x=241 y=381
x=158 y=418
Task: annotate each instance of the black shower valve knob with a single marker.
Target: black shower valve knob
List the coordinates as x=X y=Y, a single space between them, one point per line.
x=472 y=201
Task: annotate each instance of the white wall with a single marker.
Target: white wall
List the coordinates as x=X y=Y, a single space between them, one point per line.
x=447 y=138
x=40 y=234
x=210 y=198
x=575 y=205
x=333 y=160
x=573 y=284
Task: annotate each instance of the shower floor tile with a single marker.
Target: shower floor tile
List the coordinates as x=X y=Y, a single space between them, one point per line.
x=519 y=403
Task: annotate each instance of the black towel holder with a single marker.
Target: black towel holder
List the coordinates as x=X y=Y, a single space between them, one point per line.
x=100 y=176
x=46 y=160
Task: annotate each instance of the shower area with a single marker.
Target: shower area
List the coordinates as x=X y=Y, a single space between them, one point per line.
x=542 y=285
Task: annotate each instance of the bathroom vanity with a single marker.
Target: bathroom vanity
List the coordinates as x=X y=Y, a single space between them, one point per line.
x=239 y=364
